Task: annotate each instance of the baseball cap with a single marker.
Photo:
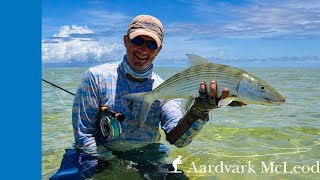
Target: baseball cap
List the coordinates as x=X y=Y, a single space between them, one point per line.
x=146 y=25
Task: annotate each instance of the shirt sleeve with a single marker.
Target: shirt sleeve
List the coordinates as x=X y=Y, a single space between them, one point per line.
x=171 y=114
x=85 y=116
x=190 y=134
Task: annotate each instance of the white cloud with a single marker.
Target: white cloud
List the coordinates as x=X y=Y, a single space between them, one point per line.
x=66 y=31
x=256 y=19
x=64 y=47
x=278 y=20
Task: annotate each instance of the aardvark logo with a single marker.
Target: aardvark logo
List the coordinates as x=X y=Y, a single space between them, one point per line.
x=175 y=164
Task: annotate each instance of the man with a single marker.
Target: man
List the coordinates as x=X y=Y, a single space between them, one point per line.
x=103 y=86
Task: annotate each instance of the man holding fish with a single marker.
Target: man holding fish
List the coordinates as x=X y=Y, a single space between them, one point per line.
x=133 y=89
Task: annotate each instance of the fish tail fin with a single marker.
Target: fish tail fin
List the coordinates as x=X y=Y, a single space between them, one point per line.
x=140 y=97
x=144 y=112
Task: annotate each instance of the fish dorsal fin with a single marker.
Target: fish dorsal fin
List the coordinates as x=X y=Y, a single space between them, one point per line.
x=196 y=60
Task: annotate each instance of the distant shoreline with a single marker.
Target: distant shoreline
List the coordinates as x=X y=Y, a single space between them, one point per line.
x=88 y=66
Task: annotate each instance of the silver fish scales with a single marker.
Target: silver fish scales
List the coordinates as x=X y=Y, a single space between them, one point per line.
x=243 y=86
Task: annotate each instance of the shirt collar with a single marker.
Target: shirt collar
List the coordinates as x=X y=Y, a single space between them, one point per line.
x=134 y=75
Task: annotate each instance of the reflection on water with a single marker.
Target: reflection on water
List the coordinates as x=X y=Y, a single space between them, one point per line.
x=235 y=136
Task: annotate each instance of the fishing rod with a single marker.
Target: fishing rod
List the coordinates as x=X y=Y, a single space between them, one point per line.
x=58 y=87
x=120 y=117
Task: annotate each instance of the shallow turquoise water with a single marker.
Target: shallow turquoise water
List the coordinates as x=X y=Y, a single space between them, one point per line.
x=235 y=136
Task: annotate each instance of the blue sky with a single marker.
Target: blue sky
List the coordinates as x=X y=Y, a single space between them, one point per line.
x=240 y=33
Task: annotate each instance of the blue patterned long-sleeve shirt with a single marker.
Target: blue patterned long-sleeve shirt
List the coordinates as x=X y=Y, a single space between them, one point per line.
x=104 y=85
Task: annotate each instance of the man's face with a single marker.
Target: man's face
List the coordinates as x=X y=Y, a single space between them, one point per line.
x=140 y=57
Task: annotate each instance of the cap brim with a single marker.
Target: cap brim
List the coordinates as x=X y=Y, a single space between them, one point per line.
x=146 y=33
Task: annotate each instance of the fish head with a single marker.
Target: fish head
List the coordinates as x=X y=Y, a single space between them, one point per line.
x=252 y=90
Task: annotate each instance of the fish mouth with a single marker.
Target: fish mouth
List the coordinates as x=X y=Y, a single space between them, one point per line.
x=274 y=103
x=277 y=103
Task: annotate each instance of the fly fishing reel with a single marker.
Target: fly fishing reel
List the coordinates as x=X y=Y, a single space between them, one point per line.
x=110 y=123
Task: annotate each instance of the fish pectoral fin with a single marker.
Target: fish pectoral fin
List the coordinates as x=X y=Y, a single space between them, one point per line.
x=189 y=102
x=196 y=60
x=143 y=113
x=224 y=102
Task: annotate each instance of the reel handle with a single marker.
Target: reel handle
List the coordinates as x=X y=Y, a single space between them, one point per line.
x=118 y=116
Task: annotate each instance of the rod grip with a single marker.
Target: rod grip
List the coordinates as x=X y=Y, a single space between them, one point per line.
x=120 y=117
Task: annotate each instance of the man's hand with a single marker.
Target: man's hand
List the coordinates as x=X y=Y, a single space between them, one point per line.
x=207 y=101
x=199 y=110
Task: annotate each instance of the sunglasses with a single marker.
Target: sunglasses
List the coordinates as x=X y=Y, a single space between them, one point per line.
x=138 y=41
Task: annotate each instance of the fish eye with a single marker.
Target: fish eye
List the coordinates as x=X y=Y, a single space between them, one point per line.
x=262 y=88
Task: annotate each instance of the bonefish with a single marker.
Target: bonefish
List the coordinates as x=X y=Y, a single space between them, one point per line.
x=243 y=86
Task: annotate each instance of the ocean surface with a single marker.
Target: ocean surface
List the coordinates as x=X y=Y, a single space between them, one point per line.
x=276 y=142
